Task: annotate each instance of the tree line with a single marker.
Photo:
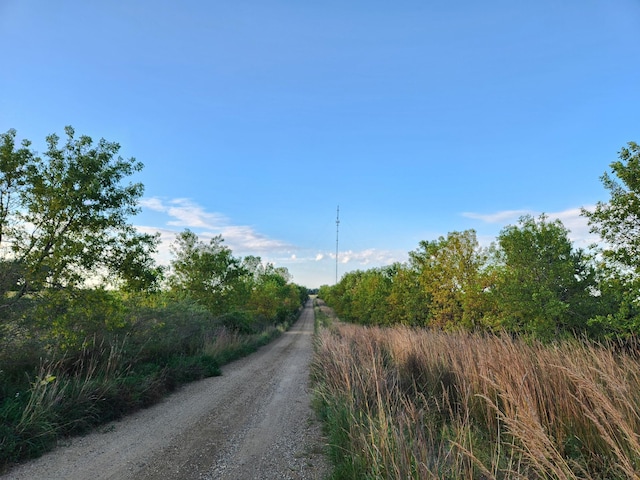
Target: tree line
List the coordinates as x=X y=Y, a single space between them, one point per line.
x=91 y=327
x=75 y=271
x=532 y=280
x=65 y=227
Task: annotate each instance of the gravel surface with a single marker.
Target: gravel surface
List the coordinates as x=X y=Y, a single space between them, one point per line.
x=253 y=422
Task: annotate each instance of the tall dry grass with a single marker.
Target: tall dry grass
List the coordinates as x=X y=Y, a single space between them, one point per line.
x=404 y=403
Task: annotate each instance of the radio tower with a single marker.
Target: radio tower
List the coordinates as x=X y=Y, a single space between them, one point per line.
x=337 y=229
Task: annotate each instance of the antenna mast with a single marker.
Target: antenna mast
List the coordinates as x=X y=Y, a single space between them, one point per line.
x=337 y=227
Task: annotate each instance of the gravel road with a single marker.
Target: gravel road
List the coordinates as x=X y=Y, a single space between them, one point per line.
x=253 y=422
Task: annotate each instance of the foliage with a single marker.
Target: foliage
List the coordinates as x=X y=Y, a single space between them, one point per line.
x=407 y=301
x=449 y=274
x=618 y=224
x=245 y=293
x=618 y=221
x=544 y=286
x=532 y=282
x=86 y=332
x=63 y=216
x=619 y=312
x=14 y=164
x=207 y=272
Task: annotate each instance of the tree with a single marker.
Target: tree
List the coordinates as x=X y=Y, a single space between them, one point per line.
x=13 y=165
x=449 y=274
x=272 y=297
x=407 y=301
x=618 y=221
x=13 y=172
x=207 y=272
x=370 y=296
x=66 y=213
x=544 y=287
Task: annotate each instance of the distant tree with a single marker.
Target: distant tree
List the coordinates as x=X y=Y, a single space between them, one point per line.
x=407 y=301
x=64 y=216
x=449 y=273
x=372 y=295
x=273 y=297
x=343 y=297
x=207 y=272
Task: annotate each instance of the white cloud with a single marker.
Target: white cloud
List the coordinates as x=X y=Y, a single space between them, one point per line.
x=498 y=217
x=183 y=212
x=577 y=225
x=370 y=257
x=153 y=203
x=571 y=218
x=246 y=238
x=319 y=257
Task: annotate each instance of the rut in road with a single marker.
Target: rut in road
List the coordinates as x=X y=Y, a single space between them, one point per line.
x=253 y=422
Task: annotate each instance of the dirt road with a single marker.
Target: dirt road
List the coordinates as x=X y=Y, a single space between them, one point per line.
x=253 y=422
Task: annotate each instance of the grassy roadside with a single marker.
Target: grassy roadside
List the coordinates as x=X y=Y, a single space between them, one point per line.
x=323 y=315
x=406 y=403
x=47 y=394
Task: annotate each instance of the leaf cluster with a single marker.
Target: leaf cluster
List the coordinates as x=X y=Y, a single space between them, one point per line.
x=64 y=215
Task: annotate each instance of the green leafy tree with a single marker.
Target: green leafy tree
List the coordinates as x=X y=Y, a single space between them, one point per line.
x=370 y=296
x=618 y=315
x=618 y=220
x=13 y=177
x=13 y=170
x=207 y=272
x=343 y=296
x=450 y=277
x=407 y=301
x=544 y=286
x=273 y=298
x=65 y=215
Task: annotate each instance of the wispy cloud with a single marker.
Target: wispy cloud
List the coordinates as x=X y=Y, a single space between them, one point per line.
x=571 y=218
x=183 y=212
x=577 y=225
x=370 y=257
x=246 y=238
x=498 y=217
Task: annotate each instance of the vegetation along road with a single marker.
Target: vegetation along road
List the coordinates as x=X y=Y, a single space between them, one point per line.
x=253 y=422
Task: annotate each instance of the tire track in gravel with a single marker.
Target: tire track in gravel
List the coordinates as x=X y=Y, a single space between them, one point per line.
x=253 y=422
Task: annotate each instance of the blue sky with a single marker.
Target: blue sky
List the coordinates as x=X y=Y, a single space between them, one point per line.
x=256 y=119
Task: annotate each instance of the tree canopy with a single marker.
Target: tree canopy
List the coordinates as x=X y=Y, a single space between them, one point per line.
x=545 y=285
x=64 y=216
x=618 y=220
